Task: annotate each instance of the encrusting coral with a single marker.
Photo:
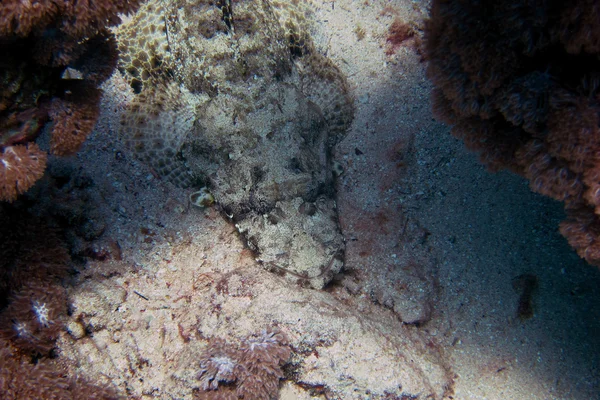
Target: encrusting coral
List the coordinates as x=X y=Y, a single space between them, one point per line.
x=251 y=371
x=55 y=54
x=520 y=83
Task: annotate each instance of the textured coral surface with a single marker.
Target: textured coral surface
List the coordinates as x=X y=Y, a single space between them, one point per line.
x=520 y=83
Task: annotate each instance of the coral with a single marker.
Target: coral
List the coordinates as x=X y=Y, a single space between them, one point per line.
x=143 y=46
x=33 y=305
x=30 y=252
x=77 y=19
x=21 y=17
x=161 y=53
x=33 y=261
x=20 y=379
x=217 y=364
x=155 y=127
x=251 y=371
x=42 y=41
x=262 y=358
x=20 y=167
x=74 y=116
x=579 y=30
x=519 y=83
x=99 y=58
x=582 y=230
x=32 y=320
x=399 y=33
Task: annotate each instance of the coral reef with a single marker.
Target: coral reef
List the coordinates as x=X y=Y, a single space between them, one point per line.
x=56 y=54
x=247 y=106
x=519 y=82
x=252 y=371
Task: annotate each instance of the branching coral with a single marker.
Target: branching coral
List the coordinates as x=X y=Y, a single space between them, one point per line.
x=519 y=82
x=252 y=371
x=41 y=41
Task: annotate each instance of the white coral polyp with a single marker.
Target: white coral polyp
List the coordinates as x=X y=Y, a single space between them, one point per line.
x=265 y=340
x=215 y=370
x=41 y=313
x=21 y=329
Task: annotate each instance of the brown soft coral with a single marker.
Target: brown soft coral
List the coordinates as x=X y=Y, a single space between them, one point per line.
x=41 y=41
x=262 y=358
x=75 y=18
x=519 y=82
x=85 y=17
x=33 y=319
x=251 y=371
x=21 y=379
x=74 y=117
x=20 y=167
x=582 y=230
x=30 y=251
x=33 y=305
x=99 y=57
x=21 y=17
x=579 y=29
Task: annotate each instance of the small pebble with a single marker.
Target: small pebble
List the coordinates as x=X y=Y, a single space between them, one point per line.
x=76 y=329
